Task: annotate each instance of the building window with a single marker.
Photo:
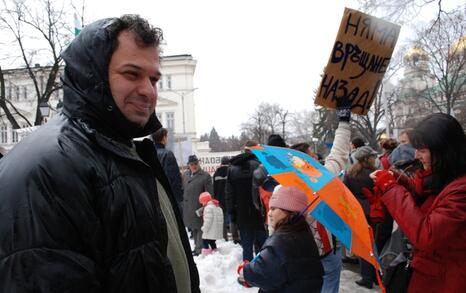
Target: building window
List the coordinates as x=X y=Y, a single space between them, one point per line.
x=10 y=89
x=14 y=136
x=160 y=84
x=25 y=93
x=170 y=120
x=17 y=92
x=169 y=82
x=3 y=133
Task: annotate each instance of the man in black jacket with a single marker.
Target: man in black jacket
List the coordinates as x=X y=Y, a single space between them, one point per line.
x=83 y=207
x=239 y=201
x=169 y=163
x=220 y=180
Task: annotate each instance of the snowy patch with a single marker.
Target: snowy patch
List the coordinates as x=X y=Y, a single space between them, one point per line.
x=217 y=272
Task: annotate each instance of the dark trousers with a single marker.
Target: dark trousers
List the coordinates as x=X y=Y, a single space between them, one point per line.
x=197 y=235
x=383 y=232
x=367 y=270
x=233 y=230
x=209 y=242
x=249 y=237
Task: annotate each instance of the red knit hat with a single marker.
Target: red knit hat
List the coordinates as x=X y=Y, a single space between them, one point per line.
x=205 y=197
x=289 y=198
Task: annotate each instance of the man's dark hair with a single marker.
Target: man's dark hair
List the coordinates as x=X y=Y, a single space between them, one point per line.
x=302 y=147
x=225 y=160
x=358 y=142
x=159 y=135
x=146 y=34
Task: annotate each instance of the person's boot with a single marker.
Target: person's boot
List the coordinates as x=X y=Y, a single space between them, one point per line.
x=206 y=251
x=364 y=283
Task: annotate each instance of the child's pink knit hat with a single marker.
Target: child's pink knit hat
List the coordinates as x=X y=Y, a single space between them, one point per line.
x=205 y=197
x=289 y=198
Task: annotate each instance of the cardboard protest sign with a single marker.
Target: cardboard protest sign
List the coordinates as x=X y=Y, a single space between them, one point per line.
x=358 y=62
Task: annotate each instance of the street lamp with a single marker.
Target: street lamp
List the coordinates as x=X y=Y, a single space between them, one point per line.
x=314 y=142
x=44 y=110
x=182 y=93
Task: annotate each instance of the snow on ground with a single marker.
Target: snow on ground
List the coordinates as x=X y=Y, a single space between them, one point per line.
x=217 y=272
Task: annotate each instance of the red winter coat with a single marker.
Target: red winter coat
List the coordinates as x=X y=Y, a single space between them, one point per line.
x=437 y=230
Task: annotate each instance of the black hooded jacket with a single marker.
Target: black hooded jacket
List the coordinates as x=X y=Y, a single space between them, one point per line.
x=79 y=208
x=238 y=192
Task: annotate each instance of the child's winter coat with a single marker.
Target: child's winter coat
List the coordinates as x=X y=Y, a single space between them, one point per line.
x=288 y=262
x=212 y=227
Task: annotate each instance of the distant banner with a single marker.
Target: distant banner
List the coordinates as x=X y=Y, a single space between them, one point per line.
x=358 y=62
x=211 y=161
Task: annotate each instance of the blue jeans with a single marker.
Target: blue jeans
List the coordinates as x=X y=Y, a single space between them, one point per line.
x=332 y=269
x=249 y=237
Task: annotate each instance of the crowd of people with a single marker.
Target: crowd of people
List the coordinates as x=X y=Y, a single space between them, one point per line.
x=86 y=208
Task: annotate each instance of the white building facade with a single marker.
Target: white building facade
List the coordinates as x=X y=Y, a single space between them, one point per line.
x=21 y=92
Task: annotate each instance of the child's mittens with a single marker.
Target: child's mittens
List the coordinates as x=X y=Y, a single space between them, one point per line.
x=241 y=279
x=243 y=282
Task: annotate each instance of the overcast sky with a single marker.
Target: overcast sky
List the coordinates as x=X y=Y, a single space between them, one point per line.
x=247 y=51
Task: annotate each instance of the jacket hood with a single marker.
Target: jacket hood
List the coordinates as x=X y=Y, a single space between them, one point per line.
x=87 y=94
x=242 y=158
x=402 y=154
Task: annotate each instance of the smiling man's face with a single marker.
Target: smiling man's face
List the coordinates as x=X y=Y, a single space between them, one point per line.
x=133 y=73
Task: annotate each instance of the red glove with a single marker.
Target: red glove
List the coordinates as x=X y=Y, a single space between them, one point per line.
x=384 y=180
x=241 y=265
x=239 y=270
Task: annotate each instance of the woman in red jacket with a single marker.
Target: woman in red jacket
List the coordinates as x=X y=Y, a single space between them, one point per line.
x=433 y=220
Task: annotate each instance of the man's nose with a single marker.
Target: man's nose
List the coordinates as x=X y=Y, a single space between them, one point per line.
x=147 y=89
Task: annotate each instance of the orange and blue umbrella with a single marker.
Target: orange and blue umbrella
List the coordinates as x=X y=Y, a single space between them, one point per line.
x=330 y=201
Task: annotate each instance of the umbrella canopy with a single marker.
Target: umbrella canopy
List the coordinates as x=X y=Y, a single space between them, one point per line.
x=330 y=201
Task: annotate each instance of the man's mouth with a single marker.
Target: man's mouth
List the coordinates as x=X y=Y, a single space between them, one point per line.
x=140 y=106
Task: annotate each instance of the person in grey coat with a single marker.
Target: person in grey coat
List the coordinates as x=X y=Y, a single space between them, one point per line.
x=195 y=182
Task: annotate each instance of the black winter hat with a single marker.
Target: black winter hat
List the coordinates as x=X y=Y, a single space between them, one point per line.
x=276 y=140
x=225 y=160
x=192 y=159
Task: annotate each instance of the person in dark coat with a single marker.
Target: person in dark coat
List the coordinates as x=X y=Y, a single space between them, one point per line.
x=83 y=207
x=220 y=180
x=289 y=261
x=357 y=180
x=431 y=209
x=239 y=201
x=169 y=164
x=195 y=182
x=262 y=183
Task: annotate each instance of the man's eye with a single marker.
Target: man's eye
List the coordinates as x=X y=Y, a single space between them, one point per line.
x=154 y=81
x=131 y=74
